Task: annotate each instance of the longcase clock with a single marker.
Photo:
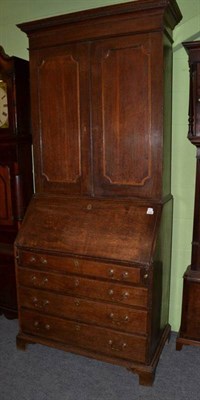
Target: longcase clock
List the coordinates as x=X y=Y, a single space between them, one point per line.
x=190 y=323
x=16 y=185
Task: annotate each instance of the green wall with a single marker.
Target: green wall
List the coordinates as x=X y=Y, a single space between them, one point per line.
x=183 y=153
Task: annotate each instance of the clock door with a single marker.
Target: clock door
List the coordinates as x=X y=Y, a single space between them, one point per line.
x=6 y=211
x=61 y=122
x=124 y=127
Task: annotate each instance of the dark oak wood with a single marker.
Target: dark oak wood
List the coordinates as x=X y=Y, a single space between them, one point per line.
x=190 y=320
x=93 y=252
x=16 y=185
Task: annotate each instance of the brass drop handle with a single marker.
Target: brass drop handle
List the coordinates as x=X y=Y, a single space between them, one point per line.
x=42 y=283
x=43 y=260
x=41 y=305
x=125 y=275
x=76 y=263
x=125 y=295
x=77 y=327
x=33 y=278
x=36 y=324
x=118 y=321
x=117 y=347
x=35 y=300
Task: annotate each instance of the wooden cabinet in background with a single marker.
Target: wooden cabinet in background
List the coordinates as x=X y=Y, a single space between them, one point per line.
x=16 y=185
x=93 y=252
x=190 y=321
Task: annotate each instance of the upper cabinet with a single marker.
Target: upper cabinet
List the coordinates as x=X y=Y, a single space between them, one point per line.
x=98 y=106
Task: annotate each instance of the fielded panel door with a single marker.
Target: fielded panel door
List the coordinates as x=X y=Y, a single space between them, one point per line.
x=125 y=115
x=60 y=98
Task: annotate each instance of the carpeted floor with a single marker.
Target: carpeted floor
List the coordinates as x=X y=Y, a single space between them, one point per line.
x=43 y=373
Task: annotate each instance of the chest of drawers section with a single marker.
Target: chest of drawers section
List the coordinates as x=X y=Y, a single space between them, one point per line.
x=93 y=306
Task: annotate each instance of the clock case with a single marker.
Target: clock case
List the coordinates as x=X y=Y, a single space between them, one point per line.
x=16 y=183
x=189 y=333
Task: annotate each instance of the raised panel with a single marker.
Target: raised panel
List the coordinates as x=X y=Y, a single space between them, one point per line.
x=126 y=115
x=124 y=98
x=6 y=217
x=61 y=124
x=60 y=119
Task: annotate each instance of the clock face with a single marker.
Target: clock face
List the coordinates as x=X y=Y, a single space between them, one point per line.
x=3 y=105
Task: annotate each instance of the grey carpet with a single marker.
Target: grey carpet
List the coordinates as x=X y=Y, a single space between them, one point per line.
x=43 y=373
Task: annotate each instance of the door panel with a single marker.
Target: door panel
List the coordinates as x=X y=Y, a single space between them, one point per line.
x=122 y=116
x=62 y=147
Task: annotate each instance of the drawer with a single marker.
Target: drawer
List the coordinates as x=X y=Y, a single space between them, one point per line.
x=91 y=338
x=74 y=308
x=136 y=275
x=78 y=286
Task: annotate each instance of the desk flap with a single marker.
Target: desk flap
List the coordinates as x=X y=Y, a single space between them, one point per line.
x=109 y=229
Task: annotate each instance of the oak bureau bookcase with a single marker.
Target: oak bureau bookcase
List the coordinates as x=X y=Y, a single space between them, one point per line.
x=93 y=253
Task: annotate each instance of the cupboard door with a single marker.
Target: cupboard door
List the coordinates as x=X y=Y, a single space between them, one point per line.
x=124 y=132
x=60 y=98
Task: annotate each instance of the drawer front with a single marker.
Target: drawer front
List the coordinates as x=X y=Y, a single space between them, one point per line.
x=92 y=338
x=78 y=286
x=74 y=308
x=79 y=266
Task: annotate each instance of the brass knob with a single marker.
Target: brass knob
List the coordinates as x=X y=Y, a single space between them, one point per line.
x=126 y=318
x=33 y=278
x=45 y=303
x=77 y=302
x=76 y=282
x=36 y=324
x=111 y=315
x=32 y=259
x=35 y=300
x=89 y=206
x=111 y=272
x=45 y=280
x=111 y=292
x=198 y=99
x=47 y=327
x=146 y=276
